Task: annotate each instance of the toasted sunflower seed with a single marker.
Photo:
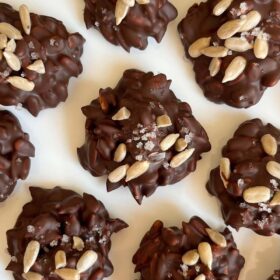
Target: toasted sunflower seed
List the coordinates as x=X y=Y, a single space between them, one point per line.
x=122 y=114
x=200 y=277
x=142 y=2
x=221 y=7
x=273 y=168
x=261 y=48
x=215 y=66
x=197 y=46
x=163 y=121
x=38 y=66
x=168 y=141
x=190 y=258
x=225 y=170
x=25 y=18
x=235 y=69
x=60 y=259
x=230 y=28
x=269 y=144
x=180 y=158
x=3 y=41
x=86 y=261
x=12 y=60
x=238 y=44
x=32 y=276
x=205 y=254
x=252 y=19
x=30 y=255
x=181 y=144
x=1 y=55
x=215 y=51
x=118 y=174
x=121 y=11
x=136 y=170
x=120 y=153
x=21 y=83
x=68 y=274
x=275 y=200
x=11 y=46
x=256 y=194
x=217 y=237
x=78 y=243
x=10 y=31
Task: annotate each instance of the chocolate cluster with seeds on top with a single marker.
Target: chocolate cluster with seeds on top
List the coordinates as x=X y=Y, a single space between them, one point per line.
x=194 y=252
x=15 y=153
x=141 y=135
x=37 y=58
x=129 y=23
x=62 y=235
x=247 y=180
x=235 y=48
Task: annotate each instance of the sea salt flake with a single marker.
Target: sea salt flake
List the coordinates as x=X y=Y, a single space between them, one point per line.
x=30 y=229
x=65 y=238
x=274 y=183
x=243 y=7
x=184 y=269
x=139 y=145
x=149 y=145
x=139 y=157
x=53 y=243
x=103 y=240
x=166 y=165
x=240 y=182
x=52 y=42
x=264 y=208
x=197 y=268
x=14 y=259
x=31 y=45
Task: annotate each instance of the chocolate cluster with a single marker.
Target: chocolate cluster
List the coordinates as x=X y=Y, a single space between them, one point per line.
x=235 y=48
x=247 y=180
x=129 y=23
x=15 y=153
x=62 y=235
x=194 y=252
x=275 y=276
x=37 y=58
x=141 y=135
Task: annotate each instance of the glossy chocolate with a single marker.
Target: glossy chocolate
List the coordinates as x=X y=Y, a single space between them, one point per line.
x=54 y=218
x=160 y=256
x=248 y=161
x=60 y=52
x=141 y=22
x=15 y=153
x=247 y=89
x=146 y=96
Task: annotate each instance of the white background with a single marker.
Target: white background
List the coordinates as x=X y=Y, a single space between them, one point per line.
x=56 y=134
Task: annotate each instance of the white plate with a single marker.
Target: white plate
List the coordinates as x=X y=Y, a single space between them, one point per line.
x=56 y=134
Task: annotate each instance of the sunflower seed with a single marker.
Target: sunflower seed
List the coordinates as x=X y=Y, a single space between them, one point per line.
x=10 y=31
x=12 y=60
x=180 y=158
x=205 y=254
x=275 y=200
x=121 y=11
x=235 y=69
x=221 y=7
x=197 y=46
x=122 y=114
x=25 y=18
x=273 y=168
x=168 y=141
x=118 y=174
x=238 y=44
x=78 y=243
x=21 y=83
x=200 y=277
x=86 y=261
x=181 y=144
x=136 y=170
x=1 y=55
x=129 y=3
x=215 y=66
x=217 y=237
x=11 y=46
x=68 y=274
x=142 y=2
x=230 y=28
x=256 y=194
x=252 y=19
x=163 y=121
x=38 y=66
x=269 y=144
x=30 y=255
x=190 y=258
x=3 y=41
x=32 y=276
x=213 y=51
x=60 y=259
x=225 y=170
x=261 y=48
x=120 y=153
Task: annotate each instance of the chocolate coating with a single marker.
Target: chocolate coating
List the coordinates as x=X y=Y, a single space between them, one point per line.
x=247 y=89
x=161 y=250
x=141 y=22
x=53 y=218
x=248 y=161
x=60 y=52
x=146 y=96
x=15 y=153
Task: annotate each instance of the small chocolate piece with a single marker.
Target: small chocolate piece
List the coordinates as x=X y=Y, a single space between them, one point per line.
x=275 y=276
x=62 y=235
x=38 y=56
x=247 y=181
x=193 y=252
x=15 y=153
x=235 y=48
x=141 y=135
x=129 y=23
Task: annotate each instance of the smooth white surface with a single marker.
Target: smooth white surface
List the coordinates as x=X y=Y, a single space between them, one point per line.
x=56 y=134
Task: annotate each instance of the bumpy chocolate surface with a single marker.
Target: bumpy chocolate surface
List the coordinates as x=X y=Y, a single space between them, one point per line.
x=275 y=276
x=251 y=164
x=163 y=253
x=50 y=43
x=15 y=153
x=53 y=220
x=131 y=150
x=246 y=89
x=141 y=21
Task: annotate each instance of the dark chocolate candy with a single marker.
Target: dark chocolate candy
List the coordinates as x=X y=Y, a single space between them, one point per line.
x=250 y=159
x=246 y=86
x=15 y=153
x=140 y=22
x=188 y=253
x=275 y=276
x=56 y=54
x=125 y=129
x=62 y=233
